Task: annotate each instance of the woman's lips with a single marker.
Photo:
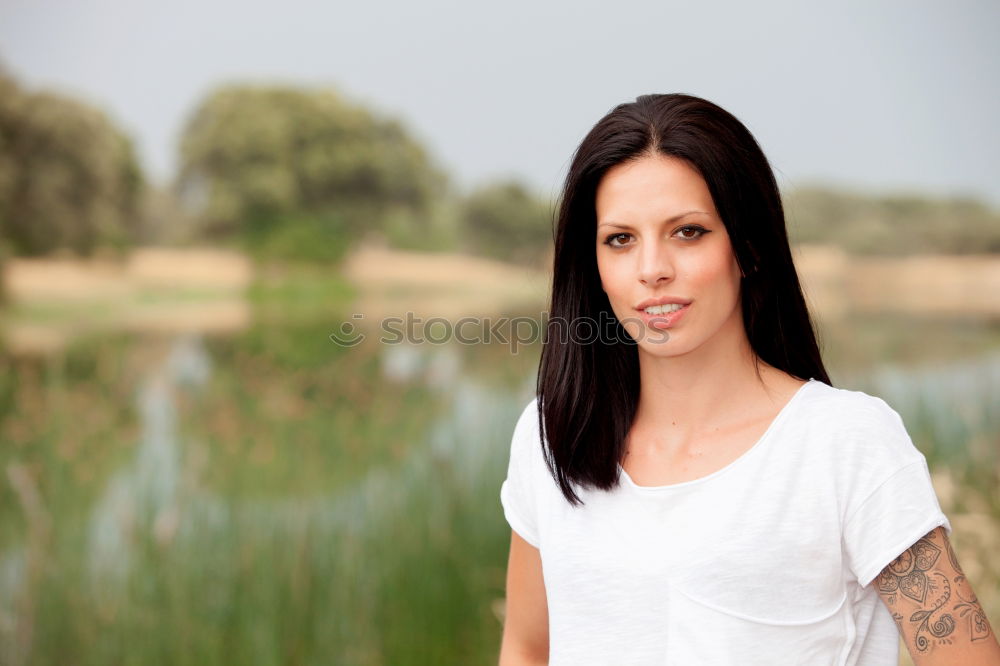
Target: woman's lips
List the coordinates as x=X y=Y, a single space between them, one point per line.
x=662 y=321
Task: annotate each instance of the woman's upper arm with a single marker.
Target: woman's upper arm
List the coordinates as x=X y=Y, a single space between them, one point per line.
x=526 y=615
x=935 y=609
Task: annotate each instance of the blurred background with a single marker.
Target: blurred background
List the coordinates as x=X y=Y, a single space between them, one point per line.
x=194 y=197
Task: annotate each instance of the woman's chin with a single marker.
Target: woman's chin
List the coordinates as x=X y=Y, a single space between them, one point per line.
x=660 y=344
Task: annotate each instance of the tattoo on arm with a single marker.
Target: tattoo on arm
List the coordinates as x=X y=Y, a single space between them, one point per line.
x=930 y=598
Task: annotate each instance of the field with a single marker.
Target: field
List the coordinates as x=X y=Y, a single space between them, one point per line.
x=195 y=473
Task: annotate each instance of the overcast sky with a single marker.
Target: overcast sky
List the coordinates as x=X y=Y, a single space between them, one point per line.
x=900 y=95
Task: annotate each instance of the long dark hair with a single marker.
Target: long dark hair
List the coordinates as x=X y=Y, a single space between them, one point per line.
x=588 y=393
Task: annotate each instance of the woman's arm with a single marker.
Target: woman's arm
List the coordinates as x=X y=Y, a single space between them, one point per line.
x=936 y=611
x=526 y=615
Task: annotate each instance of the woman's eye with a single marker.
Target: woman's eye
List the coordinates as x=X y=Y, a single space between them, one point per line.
x=610 y=240
x=699 y=232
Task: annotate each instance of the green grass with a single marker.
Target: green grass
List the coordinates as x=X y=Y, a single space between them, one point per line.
x=322 y=515
x=369 y=534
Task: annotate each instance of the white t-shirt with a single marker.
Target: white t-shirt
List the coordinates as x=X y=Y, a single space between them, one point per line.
x=765 y=561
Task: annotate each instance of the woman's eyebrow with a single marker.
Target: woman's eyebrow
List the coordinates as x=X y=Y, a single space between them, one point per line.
x=667 y=221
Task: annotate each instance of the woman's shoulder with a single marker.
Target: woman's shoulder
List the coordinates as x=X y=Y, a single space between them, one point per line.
x=528 y=418
x=858 y=426
x=525 y=437
x=848 y=408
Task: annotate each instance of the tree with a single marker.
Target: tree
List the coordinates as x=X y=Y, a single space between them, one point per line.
x=289 y=167
x=891 y=224
x=68 y=177
x=506 y=221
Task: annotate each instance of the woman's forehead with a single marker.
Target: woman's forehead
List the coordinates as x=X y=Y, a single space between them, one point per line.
x=651 y=189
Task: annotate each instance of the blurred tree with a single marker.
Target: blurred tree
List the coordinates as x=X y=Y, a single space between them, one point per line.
x=506 y=221
x=68 y=178
x=303 y=173
x=891 y=224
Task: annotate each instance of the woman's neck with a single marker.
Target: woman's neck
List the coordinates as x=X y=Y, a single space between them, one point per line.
x=685 y=397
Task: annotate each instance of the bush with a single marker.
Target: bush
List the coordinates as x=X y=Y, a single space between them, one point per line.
x=312 y=237
x=506 y=221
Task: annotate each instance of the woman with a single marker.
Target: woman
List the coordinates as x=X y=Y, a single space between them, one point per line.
x=702 y=494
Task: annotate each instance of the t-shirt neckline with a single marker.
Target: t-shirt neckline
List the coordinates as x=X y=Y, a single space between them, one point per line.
x=775 y=422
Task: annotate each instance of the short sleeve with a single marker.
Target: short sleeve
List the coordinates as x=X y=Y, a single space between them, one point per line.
x=517 y=493
x=897 y=505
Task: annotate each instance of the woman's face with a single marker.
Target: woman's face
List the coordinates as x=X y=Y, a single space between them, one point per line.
x=659 y=237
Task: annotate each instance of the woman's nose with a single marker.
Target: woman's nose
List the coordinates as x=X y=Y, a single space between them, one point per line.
x=655 y=264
